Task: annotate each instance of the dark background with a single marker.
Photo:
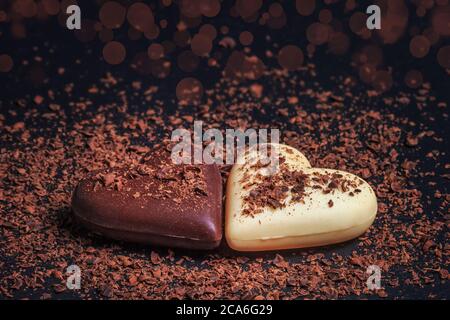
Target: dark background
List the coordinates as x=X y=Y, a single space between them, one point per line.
x=84 y=65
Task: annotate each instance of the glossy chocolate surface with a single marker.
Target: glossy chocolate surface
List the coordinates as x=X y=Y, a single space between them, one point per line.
x=154 y=202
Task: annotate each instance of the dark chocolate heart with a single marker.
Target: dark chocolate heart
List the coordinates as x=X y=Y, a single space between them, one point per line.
x=155 y=202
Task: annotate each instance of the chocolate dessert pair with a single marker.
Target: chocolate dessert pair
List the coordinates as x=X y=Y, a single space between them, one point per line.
x=161 y=203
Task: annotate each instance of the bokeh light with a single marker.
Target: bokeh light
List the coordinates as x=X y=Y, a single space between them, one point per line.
x=155 y=51
x=6 y=63
x=189 y=91
x=413 y=79
x=443 y=57
x=290 y=57
x=140 y=16
x=114 y=52
x=112 y=14
x=246 y=38
x=305 y=7
x=419 y=46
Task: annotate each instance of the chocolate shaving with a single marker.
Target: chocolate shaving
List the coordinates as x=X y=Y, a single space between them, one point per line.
x=272 y=191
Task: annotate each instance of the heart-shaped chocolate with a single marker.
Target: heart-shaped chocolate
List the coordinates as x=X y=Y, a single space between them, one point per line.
x=155 y=202
x=297 y=206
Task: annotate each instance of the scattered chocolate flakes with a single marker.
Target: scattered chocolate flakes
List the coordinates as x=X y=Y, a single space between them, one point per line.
x=272 y=191
x=162 y=180
x=45 y=151
x=108 y=179
x=412 y=141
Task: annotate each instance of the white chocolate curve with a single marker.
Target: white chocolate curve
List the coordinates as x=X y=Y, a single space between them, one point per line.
x=297 y=225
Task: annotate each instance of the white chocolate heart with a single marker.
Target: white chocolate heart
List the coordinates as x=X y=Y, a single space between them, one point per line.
x=297 y=207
